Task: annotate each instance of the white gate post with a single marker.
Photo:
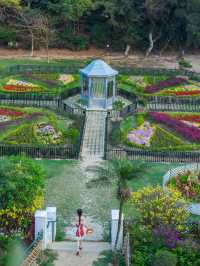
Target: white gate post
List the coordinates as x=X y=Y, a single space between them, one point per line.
x=114 y=228
x=40 y=226
x=51 y=215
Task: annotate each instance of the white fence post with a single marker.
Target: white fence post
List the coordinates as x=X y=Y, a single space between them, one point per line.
x=114 y=228
x=40 y=226
x=51 y=216
x=45 y=222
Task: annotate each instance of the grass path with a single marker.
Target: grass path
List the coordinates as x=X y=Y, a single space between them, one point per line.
x=66 y=188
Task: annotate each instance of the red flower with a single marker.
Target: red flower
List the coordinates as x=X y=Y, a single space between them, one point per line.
x=8 y=112
x=21 y=88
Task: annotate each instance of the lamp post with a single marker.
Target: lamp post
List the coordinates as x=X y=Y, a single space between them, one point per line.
x=108 y=51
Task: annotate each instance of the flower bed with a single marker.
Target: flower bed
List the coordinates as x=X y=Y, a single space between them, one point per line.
x=14 y=85
x=188 y=184
x=184 y=93
x=165 y=84
x=141 y=135
x=10 y=112
x=20 y=88
x=190 y=132
x=27 y=118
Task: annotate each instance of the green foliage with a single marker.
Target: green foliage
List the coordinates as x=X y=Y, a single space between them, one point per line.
x=118 y=105
x=183 y=63
x=106 y=258
x=47 y=258
x=165 y=258
x=120 y=132
x=11 y=251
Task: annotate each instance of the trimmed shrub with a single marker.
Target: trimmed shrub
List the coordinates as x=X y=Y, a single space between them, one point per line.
x=165 y=258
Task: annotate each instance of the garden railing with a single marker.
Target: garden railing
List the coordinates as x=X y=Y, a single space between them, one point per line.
x=33 y=252
x=153 y=156
x=43 y=151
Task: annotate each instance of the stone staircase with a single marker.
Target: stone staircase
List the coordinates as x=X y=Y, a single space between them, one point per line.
x=94 y=135
x=67 y=250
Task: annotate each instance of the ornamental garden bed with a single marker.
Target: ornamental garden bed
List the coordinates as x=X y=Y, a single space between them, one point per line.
x=188 y=184
x=160 y=85
x=38 y=83
x=158 y=131
x=31 y=126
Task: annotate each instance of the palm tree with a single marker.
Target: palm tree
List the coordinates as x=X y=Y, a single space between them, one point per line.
x=120 y=171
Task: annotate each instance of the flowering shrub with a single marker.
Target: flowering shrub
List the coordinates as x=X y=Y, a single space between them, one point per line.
x=189 y=132
x=48 y=134
x=21 y=193
x=188 y=184
x=156 y=207
x=142 y=135
x=165 y=84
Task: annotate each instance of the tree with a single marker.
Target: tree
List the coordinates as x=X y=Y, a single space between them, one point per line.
x=46 y=34
x=21 y=193
x=119 y=171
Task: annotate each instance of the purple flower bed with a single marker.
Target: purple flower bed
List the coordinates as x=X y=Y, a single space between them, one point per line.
x=189 y=132
x=27 y=118
x=165 y=84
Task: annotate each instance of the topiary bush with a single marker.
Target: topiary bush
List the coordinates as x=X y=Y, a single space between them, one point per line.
x=165 y=258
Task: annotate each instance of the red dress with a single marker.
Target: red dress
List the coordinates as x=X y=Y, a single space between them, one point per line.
x=80 y=230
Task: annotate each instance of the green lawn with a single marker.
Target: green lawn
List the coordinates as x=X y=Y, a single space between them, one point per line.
x=152 y=175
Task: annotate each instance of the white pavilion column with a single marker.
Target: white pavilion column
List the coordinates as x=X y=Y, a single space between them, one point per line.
x=106 y=93
x=89 y=92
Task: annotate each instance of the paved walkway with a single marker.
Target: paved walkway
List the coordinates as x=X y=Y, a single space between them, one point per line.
x=94 y=135
x=66 y=253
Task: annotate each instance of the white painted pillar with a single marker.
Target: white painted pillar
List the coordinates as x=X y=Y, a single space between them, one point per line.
x=40 y=226
x=114 y=227
x=51 y=216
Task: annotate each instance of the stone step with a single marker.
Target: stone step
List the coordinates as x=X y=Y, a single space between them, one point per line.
x=88 y=247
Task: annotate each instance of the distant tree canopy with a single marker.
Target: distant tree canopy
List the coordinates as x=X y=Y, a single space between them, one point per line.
x=150 y=25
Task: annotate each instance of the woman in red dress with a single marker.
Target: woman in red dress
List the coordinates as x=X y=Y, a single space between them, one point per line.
x=80 y=231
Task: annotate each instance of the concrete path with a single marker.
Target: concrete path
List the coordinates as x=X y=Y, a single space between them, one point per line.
x=94 y=135
x=66 y=253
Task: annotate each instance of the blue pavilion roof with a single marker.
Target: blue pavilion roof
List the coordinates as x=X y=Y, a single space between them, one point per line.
x=98 y=68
